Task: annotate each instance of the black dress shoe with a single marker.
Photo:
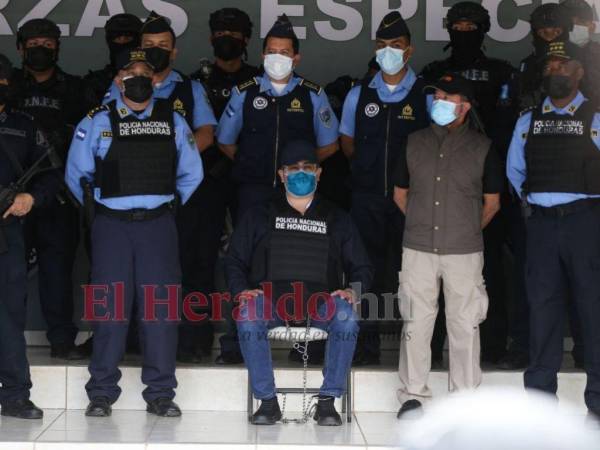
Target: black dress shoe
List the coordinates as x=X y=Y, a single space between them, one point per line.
x=268 y=413
x=326 y=415
x=77 y=354
x=187 y=357
x=87 y=347
x=411 y=405
x=99 y=407
x=61 y=350
x=22 y=409
x=163 y=407
x=362 y=358
x=514 y=361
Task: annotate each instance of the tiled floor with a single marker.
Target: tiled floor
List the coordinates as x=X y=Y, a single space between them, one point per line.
x=136 y=430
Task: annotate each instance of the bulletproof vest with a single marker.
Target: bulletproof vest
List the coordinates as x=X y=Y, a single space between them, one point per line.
x=99 y=81
x=560 y=153
x=141 y=159
x=381 y=133
x=298 y=249
x=17 y=136
x=182 y=99
x=269 y=123
x=218 y=84
x=52 y=104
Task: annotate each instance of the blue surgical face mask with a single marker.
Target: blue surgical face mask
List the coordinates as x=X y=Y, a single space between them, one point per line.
x=443 y=112
x=391 y=60
x=301 y=183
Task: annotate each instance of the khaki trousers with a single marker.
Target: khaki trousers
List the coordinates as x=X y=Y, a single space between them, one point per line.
x=466 y=307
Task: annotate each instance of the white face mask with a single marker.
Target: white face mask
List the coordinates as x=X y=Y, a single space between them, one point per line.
x=277 y=66
x=580 y=35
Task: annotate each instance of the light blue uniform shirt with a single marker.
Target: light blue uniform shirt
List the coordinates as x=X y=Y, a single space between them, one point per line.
x=203 y=113
x=516 y=168
x=324 y=121
x=92 y=139
x=348 y=123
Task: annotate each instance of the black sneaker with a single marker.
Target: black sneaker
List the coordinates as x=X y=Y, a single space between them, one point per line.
x=326 y=415
x=414 y=407
x=99 y=407
x=268 y=413
x=163 y=407
x=22 y=409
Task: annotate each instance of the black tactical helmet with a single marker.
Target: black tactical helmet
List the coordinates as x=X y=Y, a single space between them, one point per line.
x=471 y=11
x=230 y=19
x=36 y=28
x=578 y=8
x=550 y=15
x=122 y=25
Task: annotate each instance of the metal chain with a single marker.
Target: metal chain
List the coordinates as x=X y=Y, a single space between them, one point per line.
x=307 y=408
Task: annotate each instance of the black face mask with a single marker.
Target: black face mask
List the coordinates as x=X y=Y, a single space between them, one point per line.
x=558 y=86
x=115 y=49
x=466 y=45
x=40 y=58
x=158 y=57
x=3 y=94
x=228 y=48
x=138 y=89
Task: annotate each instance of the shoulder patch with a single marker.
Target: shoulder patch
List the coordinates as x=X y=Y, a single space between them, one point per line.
x=246 y=84
x=97 y=110
x=312 y=86
x=526 y=110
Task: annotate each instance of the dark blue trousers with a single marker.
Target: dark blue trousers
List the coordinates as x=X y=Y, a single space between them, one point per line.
x=200 y=223
x=381 y=226
x=137 y=254
x=14 y=369
x=54 y=232
x=563 y=261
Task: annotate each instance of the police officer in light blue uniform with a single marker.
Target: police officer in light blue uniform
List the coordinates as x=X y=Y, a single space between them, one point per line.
x=377 y=117
x=189 y=98
x=138 y=153
x=266 y=112
x=554 y=165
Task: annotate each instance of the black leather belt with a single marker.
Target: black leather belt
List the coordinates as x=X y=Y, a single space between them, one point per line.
x=566 y=209
x=134 y=215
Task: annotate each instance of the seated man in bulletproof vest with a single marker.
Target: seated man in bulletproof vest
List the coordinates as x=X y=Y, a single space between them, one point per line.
x=295 y=250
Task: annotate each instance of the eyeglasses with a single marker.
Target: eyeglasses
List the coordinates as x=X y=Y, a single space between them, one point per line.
x=307 y=167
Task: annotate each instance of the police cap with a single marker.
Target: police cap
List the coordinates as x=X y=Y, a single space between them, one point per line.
x=392 y=26
x=295 y=151
x=550 y=15
x=578 y=8
x=453 y=84
x=282 y=28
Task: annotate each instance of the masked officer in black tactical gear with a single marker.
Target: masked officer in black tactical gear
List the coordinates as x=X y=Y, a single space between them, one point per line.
x=231 y=30
x=122 y=33
x=467 y=24
x=584 y=22
x=57 y=101
x=21 y=146
x=548 y=23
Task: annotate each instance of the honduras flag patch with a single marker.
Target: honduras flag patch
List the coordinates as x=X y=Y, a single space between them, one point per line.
x=80 y=134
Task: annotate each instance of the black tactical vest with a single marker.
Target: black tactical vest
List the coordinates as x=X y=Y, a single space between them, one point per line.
x=381 y=133
x=141 y=159
x=182 y=100
x=560 y=153
x=298 y=249
x=269 y=123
